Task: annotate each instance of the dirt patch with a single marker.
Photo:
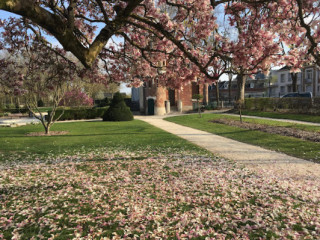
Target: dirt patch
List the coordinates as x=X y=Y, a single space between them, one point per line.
x=53 y=133
x=284 y=131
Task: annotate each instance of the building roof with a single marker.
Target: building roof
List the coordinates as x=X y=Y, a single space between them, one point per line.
x=285 y=68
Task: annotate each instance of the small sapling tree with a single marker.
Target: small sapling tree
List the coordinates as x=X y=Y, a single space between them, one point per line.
x=198 y=97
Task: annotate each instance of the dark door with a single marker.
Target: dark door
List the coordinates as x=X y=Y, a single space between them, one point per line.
x=172 y=97
x=150 y=106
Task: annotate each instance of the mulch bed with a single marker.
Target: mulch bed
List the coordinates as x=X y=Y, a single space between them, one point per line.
x=284 y=131
x=53 y=133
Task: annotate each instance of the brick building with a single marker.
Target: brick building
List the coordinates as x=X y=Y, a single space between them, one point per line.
x=158 y=100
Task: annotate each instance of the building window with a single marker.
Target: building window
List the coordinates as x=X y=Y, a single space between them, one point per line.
x=289 y=77
x=282 y=77
x=282 y=89
x=252 y=85
x=272 y=91
x=289 y=88
x=309 y=74
x=308 y=88
x=195 y=88
x=299 y=76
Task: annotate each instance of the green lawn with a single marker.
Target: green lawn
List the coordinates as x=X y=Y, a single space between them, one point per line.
x=45 y=109
x=289 y=145
x=85 y=136
x=299 y=117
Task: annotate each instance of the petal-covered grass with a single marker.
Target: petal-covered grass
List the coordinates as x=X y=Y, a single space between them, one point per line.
x=153 y=194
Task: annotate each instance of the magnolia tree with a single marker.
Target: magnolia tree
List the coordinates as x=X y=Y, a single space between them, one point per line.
x=299 y=27
x=156 y=31
x=33 y=70
x=38 y=73
x=76 y=97
x=255 y=46
x=173 y=32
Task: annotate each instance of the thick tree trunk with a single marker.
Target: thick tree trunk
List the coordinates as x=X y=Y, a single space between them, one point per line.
x=294 y=77
x=64 y=33
x=240 y=94
x=241 y=88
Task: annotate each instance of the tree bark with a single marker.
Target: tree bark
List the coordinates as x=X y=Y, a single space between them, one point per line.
x=56 y=25
x=294 y=77
x=47 y=130
x=241 y=82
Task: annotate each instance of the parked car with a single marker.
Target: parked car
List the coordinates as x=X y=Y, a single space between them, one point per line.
x=298 y=95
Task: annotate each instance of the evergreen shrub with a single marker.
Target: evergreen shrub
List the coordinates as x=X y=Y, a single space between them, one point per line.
x=118 y=110
x=40 y=103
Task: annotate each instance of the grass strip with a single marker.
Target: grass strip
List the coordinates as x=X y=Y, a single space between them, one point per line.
x=289 y=145
x=276 y=123
x=298 y=117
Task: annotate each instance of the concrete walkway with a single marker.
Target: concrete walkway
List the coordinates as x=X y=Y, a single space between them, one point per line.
x=276 y=119
x=253 y=157
x=15 y=122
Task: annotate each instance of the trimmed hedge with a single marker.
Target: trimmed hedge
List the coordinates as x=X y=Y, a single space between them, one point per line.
x=298 y=105
x=79 y=113
x=16 y=110
x=118 y=110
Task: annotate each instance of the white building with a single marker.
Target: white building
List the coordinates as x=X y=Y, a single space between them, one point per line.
x=308 y=81
x=283 y=82
x=311 y=79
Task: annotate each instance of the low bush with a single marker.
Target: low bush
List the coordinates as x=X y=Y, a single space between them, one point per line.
x=118 y=110
x=79 y=113
x=16 y=110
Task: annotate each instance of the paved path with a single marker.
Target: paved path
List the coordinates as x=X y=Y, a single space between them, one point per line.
x=276 y=119
x=253 y=157
x=9 y=122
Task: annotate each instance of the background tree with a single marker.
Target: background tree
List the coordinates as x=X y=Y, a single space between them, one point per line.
x=75 y=98
x=34 y=71
x=255 y=47
x=40 y=73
